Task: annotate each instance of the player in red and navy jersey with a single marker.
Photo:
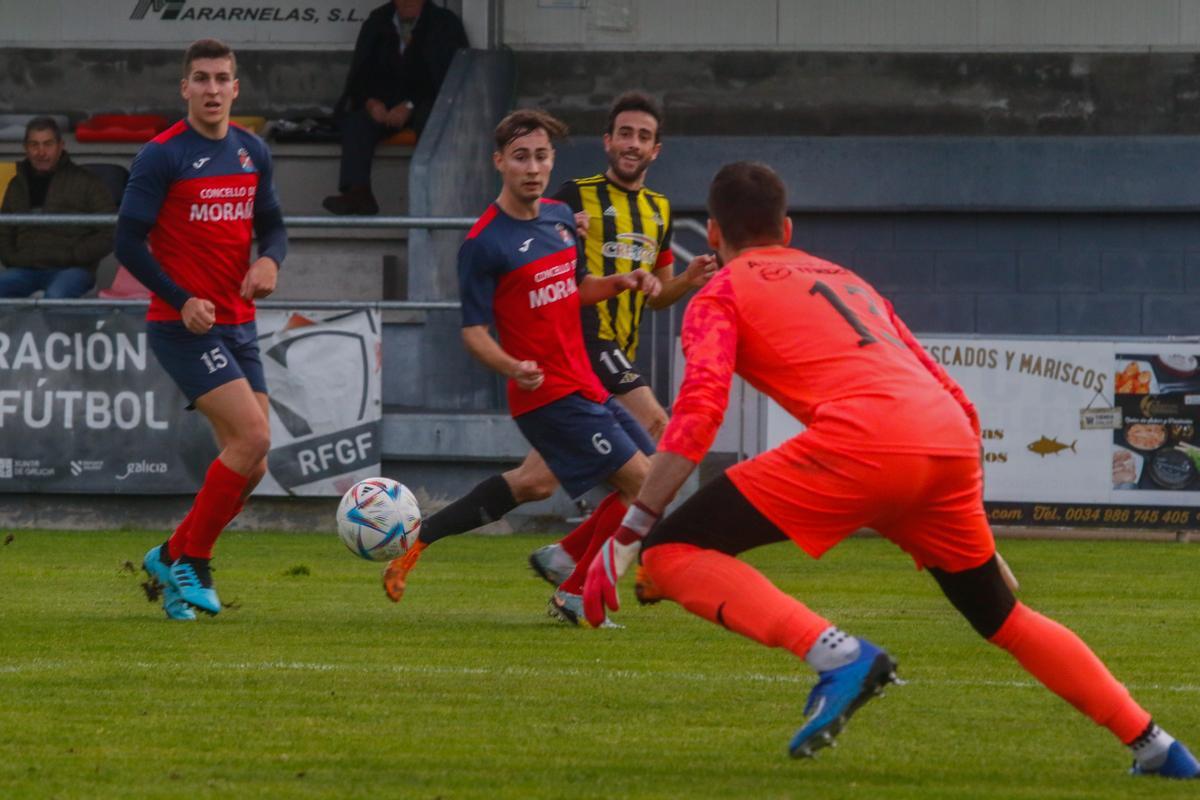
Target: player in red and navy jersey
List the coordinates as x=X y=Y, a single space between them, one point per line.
x=891 y=443
x=519 y=270
x=197 y=194
x=623 y=227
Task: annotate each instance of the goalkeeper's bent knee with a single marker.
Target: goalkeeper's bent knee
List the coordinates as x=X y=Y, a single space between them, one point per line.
x=980 y=594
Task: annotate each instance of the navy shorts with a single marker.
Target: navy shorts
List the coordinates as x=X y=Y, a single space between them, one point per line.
x=200 y=363
x=584 y=442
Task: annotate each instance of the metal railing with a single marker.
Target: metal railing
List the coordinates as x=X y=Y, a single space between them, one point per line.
x=649 y=337
x=431 y=223
x=314 y=305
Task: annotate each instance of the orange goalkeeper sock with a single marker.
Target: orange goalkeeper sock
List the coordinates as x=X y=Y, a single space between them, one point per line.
x=604 y=522
x=733 y=594
x=1066 y=666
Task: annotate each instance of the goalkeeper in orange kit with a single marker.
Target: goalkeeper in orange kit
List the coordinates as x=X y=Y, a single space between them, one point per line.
x=891 y=443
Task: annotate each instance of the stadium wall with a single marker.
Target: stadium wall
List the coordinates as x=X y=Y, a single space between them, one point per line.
x=451 y=172
x=81 y=82
x=1060 y=235
x=712 y=93
x=876 y=25
x=245 y=24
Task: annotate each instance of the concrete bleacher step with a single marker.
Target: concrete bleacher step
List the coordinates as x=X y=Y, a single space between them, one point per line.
x=331 y=264
x=304 y=173
x=340 y=263
x=345 y=264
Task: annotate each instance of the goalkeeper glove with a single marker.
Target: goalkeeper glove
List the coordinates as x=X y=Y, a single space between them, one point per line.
x=615 y=556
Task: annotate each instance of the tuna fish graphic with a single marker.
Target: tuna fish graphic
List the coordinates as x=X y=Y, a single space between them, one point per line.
x=1049 y=447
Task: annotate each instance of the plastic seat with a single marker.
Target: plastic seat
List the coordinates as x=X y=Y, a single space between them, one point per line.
x=8 y=171
x=253 y=124
x=406 y=137
x=120 y=128
x=124 y=287
x=113 y=176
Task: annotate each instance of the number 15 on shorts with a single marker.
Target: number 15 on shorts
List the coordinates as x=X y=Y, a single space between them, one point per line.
x=214 y=360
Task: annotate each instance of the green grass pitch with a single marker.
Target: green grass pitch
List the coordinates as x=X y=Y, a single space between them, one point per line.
x=313 y=685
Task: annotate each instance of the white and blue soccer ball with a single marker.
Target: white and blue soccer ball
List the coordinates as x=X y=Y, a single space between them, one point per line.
x=378 y=519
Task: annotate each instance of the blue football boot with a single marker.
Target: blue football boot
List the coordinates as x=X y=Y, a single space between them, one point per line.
x=193 y=579
x=160 y=572
x=1180 y=763
x=838 y=694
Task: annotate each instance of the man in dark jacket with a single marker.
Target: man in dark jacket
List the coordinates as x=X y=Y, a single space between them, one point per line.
x=402 y=55
x=59 y=260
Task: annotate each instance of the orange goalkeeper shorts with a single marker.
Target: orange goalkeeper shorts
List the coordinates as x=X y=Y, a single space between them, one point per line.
x=930 y=506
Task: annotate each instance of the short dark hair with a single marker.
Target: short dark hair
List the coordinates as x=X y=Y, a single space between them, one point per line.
x=43 y=124
x=525 y=121
x=208 y=48
x=749 y=202
x=636 y=101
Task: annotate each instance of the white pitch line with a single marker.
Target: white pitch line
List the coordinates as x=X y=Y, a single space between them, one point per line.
x=41 y=665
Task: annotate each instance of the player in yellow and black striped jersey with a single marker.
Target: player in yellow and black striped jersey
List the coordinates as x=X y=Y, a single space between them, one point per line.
x=628 y=227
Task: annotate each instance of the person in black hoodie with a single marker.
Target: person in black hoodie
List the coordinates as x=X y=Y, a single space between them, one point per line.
x=401 y=57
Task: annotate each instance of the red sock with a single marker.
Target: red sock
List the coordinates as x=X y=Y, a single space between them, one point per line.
x=604 y=523
x=1066 y=666
x=731 y=593
x=178 y=539
x=575 y=543
x=219 y=500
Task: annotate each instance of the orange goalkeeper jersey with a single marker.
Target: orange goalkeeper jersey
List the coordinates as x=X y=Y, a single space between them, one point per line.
x=821 y=342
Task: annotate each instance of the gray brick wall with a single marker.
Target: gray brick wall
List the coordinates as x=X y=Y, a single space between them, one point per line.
x=1023 y=273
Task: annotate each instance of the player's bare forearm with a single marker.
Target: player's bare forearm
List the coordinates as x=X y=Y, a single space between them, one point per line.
x=699 y=271
x=480 y=344
x=668 y=471
x=486 y=350
x=673 y=290
x=594 y=290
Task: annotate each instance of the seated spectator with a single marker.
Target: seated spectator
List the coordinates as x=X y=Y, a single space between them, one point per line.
x=60 y=260
x=402 y=55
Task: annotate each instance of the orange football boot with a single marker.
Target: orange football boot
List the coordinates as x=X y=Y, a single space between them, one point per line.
x=395 y=577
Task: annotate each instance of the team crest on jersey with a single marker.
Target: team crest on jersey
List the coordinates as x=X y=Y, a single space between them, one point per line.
x=246 y=162
x=564 y=233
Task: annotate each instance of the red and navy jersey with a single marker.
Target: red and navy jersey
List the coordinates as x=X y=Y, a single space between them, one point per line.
x=522 y=276
x=200 y=195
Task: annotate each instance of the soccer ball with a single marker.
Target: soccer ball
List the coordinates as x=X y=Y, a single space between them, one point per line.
x=378 y=519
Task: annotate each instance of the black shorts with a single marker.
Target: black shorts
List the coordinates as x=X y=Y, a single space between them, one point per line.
x=716 y=517
x=613 y=366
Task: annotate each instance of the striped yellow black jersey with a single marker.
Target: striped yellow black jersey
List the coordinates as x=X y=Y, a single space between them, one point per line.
x=626 y=231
